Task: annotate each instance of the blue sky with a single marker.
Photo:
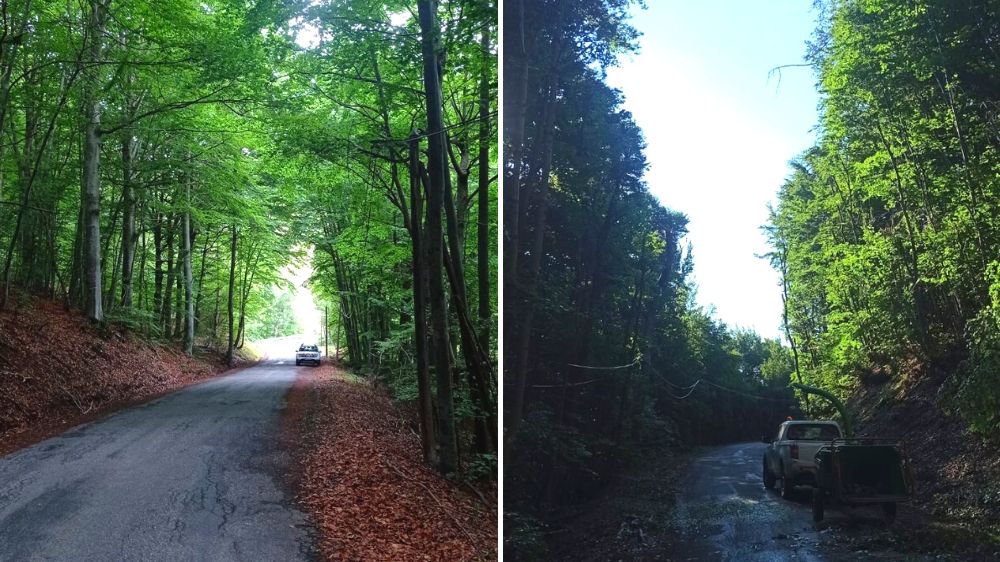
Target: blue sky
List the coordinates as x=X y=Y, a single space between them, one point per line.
x=720 y=133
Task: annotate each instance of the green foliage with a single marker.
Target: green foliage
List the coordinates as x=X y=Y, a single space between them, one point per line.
x=213 y=113
x=482 y=467
x=604 y=339
x=524 y=537
x=885 y=229
x=274 y=316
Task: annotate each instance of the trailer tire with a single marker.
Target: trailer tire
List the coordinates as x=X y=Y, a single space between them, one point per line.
x=787 y=488
x=818 y=505
x=769 y=479
x=889 y=511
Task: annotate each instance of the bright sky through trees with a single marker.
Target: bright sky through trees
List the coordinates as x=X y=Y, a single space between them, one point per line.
x=309 y=318
x=720 y=133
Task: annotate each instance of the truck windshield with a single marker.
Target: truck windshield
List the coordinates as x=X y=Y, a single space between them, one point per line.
x=812 y=432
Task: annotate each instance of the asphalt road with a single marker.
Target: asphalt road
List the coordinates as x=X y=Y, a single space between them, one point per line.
x=724 y=513
x=194 y=475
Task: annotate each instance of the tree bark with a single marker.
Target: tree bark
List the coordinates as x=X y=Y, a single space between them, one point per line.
x=483 y=227
x=128 y=225
x=435 y=167
x=526 y=284
x=427 y=430
x=158 y=267
x=232 y=290
x=201 y=281
x=188 y=277
x=168 y=286
x=91 y=196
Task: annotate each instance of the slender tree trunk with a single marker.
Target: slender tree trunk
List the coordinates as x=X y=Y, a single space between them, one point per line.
x=168 y=286
x=517 y=106
x=787 y=324
x=427 y=430
x=177 y=323
x=158 y=269
x=128 y=224
x=75 y=296
x=476 y=359
x=188 y=277
x=483 y=234
x=245 y=287
x=232 y=290
x=439 y=320
x=201 y=281
x=526 y=283
x=91 y=196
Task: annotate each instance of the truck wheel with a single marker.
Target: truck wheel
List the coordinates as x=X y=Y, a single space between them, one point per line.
x=769 y=478
x=297 y=363
x=817 y=505
x=889 y=511
x=786 y=488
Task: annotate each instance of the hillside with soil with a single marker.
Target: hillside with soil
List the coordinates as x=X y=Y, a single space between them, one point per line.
x=58 y=370
x=957 y=471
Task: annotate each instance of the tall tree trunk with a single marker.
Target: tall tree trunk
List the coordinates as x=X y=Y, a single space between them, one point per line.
x=128 y=225
x=168 y=285
x=483 y=233
x=201 y=281
x=158 y=268
x=232 y=290
x=435 y=166
x=75 y=295
x=245 y=287
x=516 y=76
x=525 y=284
x=188 y=277
x=476 y=359
x=788 y=326
x=91 y=197
x=427 y=430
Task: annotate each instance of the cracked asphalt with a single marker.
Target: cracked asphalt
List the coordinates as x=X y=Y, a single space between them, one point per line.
x=194 y=475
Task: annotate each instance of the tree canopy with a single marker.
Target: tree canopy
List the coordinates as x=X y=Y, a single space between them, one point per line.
x=161 y=164
x=886 y=231
x=606 y=352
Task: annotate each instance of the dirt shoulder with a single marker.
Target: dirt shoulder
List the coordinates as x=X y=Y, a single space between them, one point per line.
x=956 y=472
x=629 y=520
x=58 y=371
x=637 y=518
x=361 y=477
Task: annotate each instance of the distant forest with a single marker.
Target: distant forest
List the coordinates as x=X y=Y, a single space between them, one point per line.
x=606 y=354
x=886 y=236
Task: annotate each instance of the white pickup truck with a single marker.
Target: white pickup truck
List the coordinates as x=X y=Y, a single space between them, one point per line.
x=790 y=457
x=307 y=354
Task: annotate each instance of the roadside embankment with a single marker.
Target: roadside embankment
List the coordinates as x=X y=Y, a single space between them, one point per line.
x=57 y=370
x=362 y=479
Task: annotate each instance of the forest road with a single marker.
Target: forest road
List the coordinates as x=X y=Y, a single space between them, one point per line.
x=723 y=512
x=194 y=475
